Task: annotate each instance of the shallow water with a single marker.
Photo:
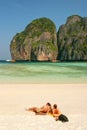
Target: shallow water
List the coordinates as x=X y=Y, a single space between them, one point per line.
x=43 y=72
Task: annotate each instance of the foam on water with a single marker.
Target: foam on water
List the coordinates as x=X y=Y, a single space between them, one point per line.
x=43 y=72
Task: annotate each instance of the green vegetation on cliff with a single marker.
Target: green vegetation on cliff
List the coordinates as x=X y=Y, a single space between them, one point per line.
x=39 y=38
x=40 y=41
x=72 y=39
x=41 y=25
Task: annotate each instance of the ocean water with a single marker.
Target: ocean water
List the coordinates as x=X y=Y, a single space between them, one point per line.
x=43 y=72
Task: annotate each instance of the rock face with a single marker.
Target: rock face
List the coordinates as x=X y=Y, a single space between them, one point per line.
x=38 y=42
x=72 y=39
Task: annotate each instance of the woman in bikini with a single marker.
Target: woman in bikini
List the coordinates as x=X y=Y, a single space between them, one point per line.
x=42 y=110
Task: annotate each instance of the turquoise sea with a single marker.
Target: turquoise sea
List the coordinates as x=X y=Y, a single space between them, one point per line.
x=43 y=72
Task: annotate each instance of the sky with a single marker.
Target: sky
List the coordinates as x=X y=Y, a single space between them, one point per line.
x=15 y=15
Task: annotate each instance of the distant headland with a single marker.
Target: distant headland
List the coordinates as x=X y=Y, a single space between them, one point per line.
x=41 y=42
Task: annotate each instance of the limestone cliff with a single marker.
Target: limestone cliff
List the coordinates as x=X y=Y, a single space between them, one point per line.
x=37 y=42
x=72 y=39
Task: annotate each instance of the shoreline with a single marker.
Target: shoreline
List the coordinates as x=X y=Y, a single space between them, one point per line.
x=43 y=73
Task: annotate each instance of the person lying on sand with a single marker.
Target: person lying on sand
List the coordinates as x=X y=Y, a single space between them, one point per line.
x=58 y=115
x=42 y=110
x=56 y=112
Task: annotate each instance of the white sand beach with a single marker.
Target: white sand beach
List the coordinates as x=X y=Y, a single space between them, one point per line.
x=71 y=100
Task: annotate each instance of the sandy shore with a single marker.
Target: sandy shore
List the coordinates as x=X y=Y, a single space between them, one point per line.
x=14 y=98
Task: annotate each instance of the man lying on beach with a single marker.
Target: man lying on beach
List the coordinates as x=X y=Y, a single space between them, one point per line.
x=56 y=112
x=58 y=115
x=42 y=110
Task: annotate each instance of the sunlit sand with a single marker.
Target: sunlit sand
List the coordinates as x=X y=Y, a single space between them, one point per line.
x=15 y=98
